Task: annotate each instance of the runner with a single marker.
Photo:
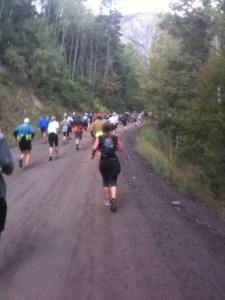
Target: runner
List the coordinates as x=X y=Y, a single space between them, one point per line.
x=124 y=121
x=74 y=117
x=43 y=125
x=96 y=126
x=65 y=128
x=70 y=120
x=90 y=120
x=77 y=126
x=135 y=118
x=24 y=133
x=7 y=167
x=53 y=138
x=113 y=120
x=109 y=164
x=85 y=122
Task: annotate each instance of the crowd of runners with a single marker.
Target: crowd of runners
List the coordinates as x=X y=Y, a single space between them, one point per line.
x=101 y=126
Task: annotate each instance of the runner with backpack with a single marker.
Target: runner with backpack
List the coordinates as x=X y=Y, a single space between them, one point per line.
x=77 y=126
x=109 y=165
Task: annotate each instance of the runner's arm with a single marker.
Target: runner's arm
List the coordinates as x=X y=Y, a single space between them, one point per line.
x=95 y=147
x=119 y=146
x=6 y=159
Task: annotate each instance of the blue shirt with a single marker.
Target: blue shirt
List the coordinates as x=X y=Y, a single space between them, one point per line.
x=43 y=122
x=24 y=130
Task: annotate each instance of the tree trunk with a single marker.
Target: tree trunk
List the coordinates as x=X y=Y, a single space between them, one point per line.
x=64 y=32
x=1 y=8
x=170 y=144
x=10 y=15
x=90 y=62
x=71 y=48
x=75 y=53
x=107 y=64
x=82 y=54
x=95 y=67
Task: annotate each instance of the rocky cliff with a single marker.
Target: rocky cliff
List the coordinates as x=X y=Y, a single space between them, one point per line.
x=139 y=29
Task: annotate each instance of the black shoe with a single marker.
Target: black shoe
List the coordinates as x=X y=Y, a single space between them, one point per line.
x=77 y=147
x=113 y=206
x=50 y=158
x=20 y=163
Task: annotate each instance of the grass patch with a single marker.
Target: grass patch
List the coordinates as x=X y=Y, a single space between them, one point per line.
x=189 y=179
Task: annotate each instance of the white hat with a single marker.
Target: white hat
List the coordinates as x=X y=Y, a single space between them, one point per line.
x=26 y=121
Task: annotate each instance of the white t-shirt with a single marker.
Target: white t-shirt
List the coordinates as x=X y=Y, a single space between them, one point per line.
x=53 y=127
x=113 y=120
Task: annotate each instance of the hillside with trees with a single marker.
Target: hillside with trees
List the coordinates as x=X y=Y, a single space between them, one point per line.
x=69 y=55
x=184 y=87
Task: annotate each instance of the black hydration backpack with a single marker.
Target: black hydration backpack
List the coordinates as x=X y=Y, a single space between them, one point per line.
x=107 y=145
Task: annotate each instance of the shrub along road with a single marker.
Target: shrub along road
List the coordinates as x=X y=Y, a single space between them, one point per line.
x=62 y=243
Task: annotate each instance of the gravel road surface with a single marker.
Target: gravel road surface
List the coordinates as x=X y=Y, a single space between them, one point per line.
x=62 y=243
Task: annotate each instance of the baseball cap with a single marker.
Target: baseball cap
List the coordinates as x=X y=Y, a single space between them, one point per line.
x=99 y=116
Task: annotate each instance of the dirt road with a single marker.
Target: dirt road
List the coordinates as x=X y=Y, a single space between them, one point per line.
x=62 y=243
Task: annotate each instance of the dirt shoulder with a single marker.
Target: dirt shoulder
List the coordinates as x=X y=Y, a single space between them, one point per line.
x=145 y=176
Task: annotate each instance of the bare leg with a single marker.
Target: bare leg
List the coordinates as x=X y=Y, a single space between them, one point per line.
x=57 y=151
x=113 y=201
x=44 y=137
x=50 y=151
x=114 y=191
x=77 y=143
x=27 y=158
x=23 y=154
x=106 y=192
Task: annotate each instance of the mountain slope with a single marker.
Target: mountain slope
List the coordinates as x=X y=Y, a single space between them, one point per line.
x=139 y=29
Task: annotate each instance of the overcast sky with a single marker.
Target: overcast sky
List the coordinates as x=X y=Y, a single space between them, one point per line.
x=135 y=6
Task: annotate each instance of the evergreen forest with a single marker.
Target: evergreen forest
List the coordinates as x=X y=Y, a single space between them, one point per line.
x=76 y=59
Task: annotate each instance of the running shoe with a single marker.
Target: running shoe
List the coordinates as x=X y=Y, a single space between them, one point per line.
x=20 y=163
x=113 y=206
x=107 y=202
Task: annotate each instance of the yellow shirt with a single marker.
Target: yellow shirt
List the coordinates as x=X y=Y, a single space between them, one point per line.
x=96 y=127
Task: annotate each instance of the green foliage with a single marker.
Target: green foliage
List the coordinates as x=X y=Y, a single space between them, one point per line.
x=190 y=23
x=184 y=86
x=202 y=126
x=58 y=41
x=153 y=145
x=13 y=15
x=130 y=66
x=14 y=59
x=168 y=84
